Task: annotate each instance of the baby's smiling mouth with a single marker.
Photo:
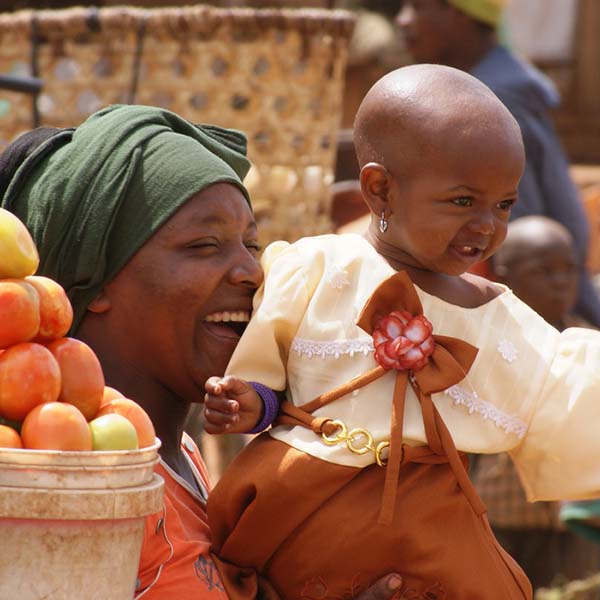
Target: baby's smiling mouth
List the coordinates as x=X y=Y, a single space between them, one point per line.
x=475 y=247
x=233 y=320
x=468 y=250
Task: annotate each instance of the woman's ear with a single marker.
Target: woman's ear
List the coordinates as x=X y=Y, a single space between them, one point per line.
x=100 y=304
x=375 y=183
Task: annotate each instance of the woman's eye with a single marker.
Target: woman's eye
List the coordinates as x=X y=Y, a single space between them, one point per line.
x=505 y=204
x=462 y=201
x=203 y=244
x=254 y=246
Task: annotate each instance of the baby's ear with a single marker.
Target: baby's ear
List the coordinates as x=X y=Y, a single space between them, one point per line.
x=375 y=182
x=100 y=304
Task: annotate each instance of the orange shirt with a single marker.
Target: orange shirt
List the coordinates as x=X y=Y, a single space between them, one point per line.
x=175 y=562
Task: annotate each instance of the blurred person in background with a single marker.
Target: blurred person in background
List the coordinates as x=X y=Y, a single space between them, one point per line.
x=538 y=261
x=463 y=34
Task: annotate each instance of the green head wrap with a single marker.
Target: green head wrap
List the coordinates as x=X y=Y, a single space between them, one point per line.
x=486 y=11
x=92 y=196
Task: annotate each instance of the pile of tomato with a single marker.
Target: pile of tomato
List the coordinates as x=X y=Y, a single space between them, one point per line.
x=52 y=390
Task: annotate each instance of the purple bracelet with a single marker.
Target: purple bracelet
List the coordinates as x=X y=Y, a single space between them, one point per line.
x=271 y=404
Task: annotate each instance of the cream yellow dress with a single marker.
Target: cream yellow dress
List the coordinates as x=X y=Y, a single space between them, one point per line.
x=532 y=391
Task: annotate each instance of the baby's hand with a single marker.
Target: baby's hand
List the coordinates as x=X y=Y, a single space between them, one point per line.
x=231 y=405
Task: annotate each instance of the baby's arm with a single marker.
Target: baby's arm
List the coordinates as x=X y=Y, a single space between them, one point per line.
x=233 y=405
x=261 y=353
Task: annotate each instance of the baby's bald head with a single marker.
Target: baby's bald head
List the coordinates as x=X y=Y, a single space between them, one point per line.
x=441 y=159
x=426 y=111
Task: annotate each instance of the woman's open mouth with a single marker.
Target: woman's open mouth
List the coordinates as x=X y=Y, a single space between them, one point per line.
x=228 y=324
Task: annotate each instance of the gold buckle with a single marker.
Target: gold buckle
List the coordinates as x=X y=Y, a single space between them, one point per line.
x=381 y=461
x=339 y=437
x=359 y=441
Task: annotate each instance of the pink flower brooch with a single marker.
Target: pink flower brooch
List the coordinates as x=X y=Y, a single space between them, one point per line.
x=403 y=341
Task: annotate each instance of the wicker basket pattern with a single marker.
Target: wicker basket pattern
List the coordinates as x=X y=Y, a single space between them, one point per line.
x=276 y=74
x=15 y=59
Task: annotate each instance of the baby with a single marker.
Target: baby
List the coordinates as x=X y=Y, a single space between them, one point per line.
x=388 y=362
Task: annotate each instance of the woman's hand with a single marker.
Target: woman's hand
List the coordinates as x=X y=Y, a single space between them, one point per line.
x=231 y=405
x=383 y=589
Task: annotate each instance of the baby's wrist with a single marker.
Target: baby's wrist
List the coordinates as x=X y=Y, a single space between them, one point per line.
x=270 y=405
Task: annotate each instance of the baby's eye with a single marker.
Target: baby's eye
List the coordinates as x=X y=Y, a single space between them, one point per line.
x=462 y=201
x=505 y=204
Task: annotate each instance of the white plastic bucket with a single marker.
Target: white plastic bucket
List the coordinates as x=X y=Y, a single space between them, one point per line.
x=71 y=523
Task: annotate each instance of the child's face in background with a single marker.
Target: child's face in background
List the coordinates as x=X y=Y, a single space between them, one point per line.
x=544 y=274
x=453 y=208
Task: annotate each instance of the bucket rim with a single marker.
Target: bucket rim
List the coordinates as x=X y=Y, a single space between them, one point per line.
x=29 y=456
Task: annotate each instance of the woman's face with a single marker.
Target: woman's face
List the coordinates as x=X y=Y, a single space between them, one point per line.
x=181 y=302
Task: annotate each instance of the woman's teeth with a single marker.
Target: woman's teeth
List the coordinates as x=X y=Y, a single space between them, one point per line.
x=235 y=321
x=240 y=316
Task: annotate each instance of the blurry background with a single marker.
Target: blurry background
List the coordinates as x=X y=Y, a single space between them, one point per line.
x=292 y=80
x=559 y=36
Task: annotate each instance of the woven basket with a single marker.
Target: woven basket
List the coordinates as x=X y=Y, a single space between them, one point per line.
x=276 y=74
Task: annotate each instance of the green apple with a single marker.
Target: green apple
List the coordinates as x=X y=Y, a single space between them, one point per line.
x=18 y=254
x=113 y=432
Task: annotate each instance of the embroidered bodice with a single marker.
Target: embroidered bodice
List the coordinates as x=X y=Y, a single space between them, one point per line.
x=531 y=390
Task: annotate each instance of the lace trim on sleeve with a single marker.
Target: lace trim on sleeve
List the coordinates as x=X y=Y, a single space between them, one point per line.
x=474 y=404
x=335 y=349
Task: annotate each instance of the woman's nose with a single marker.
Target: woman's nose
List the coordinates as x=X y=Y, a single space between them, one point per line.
x=247 y=271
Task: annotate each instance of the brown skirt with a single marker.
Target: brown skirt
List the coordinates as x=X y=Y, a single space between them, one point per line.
x=311 y=528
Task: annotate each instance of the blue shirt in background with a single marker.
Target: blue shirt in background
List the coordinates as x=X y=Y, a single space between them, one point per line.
x=546 y=187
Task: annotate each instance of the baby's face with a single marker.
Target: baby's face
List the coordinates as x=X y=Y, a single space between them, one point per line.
x=452 y=209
